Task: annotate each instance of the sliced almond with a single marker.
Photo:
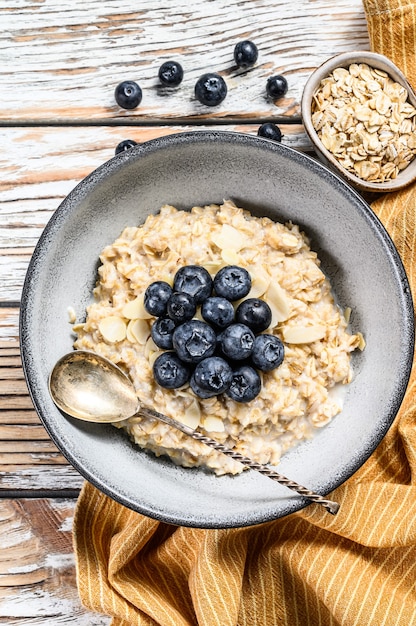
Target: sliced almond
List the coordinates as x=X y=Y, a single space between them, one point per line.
x=150 y=347
x=276 y=315
x=278 y=301
x=230 y=238
x=72 y=316
x=213 y=424
x=77 y=327
x=362 y=342
x=138 y=331
x=230 y=256
x=112 y=328
x=304 y=334
x=135 y=309
x=214 y=266
x=260 y=281
x=192 y=415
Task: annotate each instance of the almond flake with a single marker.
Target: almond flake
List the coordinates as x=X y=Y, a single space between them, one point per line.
x=230 y=238
x=153 y=356
x=230 y=256
x=138 y=331
x=260 y=281
x=112 y=328
x=278 y=301
x=304 y=334
x=134 y=309
x=213 y=424
x=191 y=416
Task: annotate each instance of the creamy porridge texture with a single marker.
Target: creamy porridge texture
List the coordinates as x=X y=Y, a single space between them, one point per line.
x=298 y=397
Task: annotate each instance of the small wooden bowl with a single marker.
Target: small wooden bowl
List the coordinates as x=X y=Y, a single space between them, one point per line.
x=378 y=61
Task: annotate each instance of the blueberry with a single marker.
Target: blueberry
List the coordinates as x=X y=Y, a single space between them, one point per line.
x=254 y=313
x=210 y=89
x=128 y=94
x=194 y=341
x=156 y=298
x=181 y=307
x=170 y=372
x=268 y=352
x=125 y=145
x=245 y=384
x=162 y=332
x=194 y=280
x=171 y=73
x=268 y=130
x=211 y=377
x=237 y=342
x=276 y=86
x=245 y=54
x=217 y=311
x=232 y=282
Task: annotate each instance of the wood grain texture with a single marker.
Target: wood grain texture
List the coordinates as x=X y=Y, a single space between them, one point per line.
x=29 y=461
x=41 y=165
x=37 y=568
x=68 y=57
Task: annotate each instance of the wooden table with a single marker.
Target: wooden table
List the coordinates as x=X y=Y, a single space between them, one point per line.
x=58 y=121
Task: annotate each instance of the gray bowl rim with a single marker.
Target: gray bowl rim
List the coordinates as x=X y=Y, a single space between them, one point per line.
x=205 y=136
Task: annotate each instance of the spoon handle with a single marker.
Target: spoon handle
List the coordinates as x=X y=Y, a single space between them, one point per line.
x=329 y=505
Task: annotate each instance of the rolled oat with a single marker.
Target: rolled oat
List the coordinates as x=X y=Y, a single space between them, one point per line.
x=365 y=120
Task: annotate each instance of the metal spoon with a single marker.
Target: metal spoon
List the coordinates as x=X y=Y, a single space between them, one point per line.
x=89 y=387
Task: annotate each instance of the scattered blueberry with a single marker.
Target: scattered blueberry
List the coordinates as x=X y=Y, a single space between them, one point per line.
x=237 y=342
x=156 y=297
x=170 y=372
x=210 y=89
x=268 y=130
x=211 y=377
x=194 y=280
x=162 y=332
x=217 y=311
x=254 y=313
x=245 y=54
x=268 y=352
x=181 y=307
x=276 y=86
x=171 y=73
x=125 y=145
x=232 y=282
x=128 y=94
x=194 y=341
x=245 y=384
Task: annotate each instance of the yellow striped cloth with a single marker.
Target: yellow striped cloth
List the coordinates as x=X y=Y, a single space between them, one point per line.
x=310 y=568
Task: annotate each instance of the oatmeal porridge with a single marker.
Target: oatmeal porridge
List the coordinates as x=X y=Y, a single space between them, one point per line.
x=295 y=399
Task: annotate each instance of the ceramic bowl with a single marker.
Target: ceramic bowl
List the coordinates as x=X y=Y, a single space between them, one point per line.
x=378 y=61
x=270 y=180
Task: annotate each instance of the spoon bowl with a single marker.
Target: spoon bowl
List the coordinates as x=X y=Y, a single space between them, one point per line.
x=91 y=388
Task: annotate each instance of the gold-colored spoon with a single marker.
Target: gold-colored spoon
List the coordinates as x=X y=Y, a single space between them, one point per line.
x=89 y=387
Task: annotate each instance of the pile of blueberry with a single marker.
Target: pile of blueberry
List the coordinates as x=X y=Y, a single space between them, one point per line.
x=221 y=354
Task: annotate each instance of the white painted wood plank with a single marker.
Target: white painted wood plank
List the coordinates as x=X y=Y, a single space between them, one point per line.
x=66 y=57
x=37 y=567
x=40 y=478
x=29 y=461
